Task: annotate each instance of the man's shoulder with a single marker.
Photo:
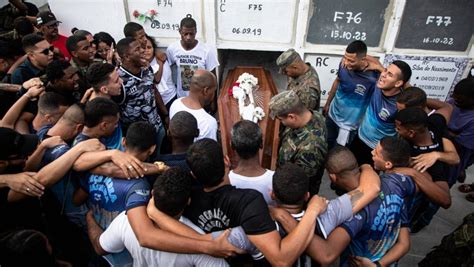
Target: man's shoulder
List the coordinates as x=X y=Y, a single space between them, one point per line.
x=397 y=183
x=22 y=69
x=238 y=194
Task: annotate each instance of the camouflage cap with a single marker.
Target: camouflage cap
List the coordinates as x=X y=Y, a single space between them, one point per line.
x=286 y=58
x=283 y=103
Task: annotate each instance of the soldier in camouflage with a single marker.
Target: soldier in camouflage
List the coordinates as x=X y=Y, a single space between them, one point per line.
x=303 y=141
x=302 y=78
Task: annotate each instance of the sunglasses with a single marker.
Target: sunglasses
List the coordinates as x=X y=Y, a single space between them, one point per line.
x=47 y=50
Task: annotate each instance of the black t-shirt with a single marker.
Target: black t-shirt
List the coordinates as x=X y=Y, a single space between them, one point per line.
x=228 y=207
x=439 y=170
x=437 y=124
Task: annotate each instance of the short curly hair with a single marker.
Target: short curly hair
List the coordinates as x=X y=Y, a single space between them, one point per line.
x=171 y=191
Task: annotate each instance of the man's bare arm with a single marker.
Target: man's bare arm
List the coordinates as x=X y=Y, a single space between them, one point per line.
x=94 y=231
x=442 y=108
x=368 y=189
x=399 y=249
x=112 y=170
x=152 y=237
x=53 y=172
x=126 y=162
x=167 y=223
x=437 y=192
x=283 y=252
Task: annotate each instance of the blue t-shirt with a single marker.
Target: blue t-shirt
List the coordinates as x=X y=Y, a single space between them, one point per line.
x=109 y=196
x=64 y=189
x=375 y=229
x=112 y=142
x=352 y=97
x=379 y=120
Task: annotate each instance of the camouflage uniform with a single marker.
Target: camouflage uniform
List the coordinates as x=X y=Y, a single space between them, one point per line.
x=306 y=146
x=306 y=86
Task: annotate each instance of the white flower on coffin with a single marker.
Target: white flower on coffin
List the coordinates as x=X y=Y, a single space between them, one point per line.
x=258 y=114
x=247 y=83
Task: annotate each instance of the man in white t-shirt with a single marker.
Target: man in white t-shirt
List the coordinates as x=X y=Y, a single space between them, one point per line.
x=190 y=55
x=171 y=190
x=246 y=141
x=202 y=91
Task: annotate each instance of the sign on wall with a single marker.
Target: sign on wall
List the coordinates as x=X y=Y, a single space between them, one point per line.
x=437 y=76
x=161 y=18
x=437 y=25
x=256 y=21
x=340 y=22
x=326 y=66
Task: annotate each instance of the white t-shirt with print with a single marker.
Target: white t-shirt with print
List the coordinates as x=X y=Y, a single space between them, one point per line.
x=166 y=87
x=202 y=56
x=119 y=236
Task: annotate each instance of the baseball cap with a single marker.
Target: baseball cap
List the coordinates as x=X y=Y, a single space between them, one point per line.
x=282 y=103
x=16 y=144
x=286 y=58
x=46 y=18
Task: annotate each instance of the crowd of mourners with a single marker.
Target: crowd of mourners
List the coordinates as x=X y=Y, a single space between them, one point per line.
x=111 y=155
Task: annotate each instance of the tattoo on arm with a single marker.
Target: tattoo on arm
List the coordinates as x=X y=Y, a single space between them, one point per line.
x=355 y=196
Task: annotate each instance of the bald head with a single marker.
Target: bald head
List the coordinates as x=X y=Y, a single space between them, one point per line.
x=341 y=162
x=202 y=79
x=73 y=115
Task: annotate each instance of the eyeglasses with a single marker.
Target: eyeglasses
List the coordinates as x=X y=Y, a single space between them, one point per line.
x=47 y=50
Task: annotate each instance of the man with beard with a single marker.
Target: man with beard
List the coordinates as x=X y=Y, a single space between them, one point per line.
x=64 y=80
x=48 y=26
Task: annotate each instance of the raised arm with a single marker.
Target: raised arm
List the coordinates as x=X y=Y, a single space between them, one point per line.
x=13 y=114
x=152 y=237
x=112 y=170
x=283 y=252
x=443 y=108
x=34 y=161
x=54 y=171
x=169 y=224
x=449 y=156
x=323 y=251
x=368 y=189
x=126 y=162
x=437 y=192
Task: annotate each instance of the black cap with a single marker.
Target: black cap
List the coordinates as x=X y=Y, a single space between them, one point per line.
x=46 y=18
x=16 y=144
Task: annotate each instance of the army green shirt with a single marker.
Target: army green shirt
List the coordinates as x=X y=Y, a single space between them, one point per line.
x=307 y=88
x=307 y=148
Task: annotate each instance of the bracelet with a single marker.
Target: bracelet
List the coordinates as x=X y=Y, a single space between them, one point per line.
x=159 y=164
x=377 y=263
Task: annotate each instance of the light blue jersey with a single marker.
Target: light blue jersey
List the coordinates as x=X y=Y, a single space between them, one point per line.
x=352 y=97
x=379 y=119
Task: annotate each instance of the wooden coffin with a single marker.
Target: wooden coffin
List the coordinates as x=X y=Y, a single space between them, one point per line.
x=229 y=114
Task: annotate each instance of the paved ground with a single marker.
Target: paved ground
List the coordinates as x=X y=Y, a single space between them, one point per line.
x=444 y=222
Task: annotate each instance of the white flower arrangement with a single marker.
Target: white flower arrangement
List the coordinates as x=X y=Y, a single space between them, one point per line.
x=243 y=89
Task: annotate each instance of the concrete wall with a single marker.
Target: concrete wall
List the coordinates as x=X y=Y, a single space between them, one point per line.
x=318 y=29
